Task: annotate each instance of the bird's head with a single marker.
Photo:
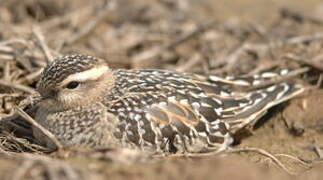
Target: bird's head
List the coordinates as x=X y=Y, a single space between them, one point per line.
x=74 y=80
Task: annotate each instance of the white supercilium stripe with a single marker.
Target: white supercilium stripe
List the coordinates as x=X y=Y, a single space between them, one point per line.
x=91 y=74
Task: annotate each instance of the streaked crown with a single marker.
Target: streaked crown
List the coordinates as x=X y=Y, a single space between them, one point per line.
x=64 y=66
x=72 y=80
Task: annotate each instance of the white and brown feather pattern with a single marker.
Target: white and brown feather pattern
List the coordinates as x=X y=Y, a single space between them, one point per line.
x=157 y=110
x=245 y=80
x=157 y=106
x=61 y=67
x=167 y=110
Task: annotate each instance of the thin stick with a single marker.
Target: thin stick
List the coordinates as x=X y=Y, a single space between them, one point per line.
x=38 y=126
x=190 y=35
x=3 y=151
x=305 y=164
x=6 y=49
x=261 y=152
x=41 y=40
x=262 y=48
x=88 y=27
x=319 y=81
x=318 y=151
x=2 y=95
x=32 y=76
x=297 y=16
x=17 y=86
x=303 y=39
x=156 y=52
x=237 y=150
x=6 y=71
x=6 y=57
x=193 y=61
x=13 y=41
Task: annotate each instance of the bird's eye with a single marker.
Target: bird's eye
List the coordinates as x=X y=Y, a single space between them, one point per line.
x=72 y=85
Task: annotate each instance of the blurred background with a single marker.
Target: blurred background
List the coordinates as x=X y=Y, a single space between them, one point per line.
x=160 y=33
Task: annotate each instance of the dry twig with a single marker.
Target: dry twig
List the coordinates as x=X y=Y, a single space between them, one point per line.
x=318 y=151
x=263 y=48
x=31 y=77
x=89 y=26
x=193 y=61
x=38 y=126
x=18 y=87
x=41 y=40
x=319 y=81
x=261 y=152
x=156 y=52
x=235 y=150
x=297 y=16
x=302 y=162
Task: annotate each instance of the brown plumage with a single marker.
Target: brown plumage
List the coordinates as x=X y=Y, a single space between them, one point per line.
x=87 y=103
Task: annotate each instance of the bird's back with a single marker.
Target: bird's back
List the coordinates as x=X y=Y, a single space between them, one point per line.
x=178 y=112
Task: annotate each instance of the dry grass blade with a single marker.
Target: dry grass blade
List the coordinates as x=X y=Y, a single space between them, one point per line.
x=88 y=27
x=230 y=151
x=318 y=151
x=297 y=16
x=6 y=49
x=264 y=153
x=303 y=163
x=31 y=77
x=152 y=54
x=38 y=126
x=193 y=61
x=18 y=87
x=4 y=152
x=305 y=38
x=41 y=40
x=13 y=41
x=201 y=29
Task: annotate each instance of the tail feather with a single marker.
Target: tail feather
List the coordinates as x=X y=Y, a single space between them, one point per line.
x=259 y=102
x=247 y=80
x=240 y=108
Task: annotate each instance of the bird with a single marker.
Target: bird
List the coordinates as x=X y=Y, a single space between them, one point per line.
x=86 y=103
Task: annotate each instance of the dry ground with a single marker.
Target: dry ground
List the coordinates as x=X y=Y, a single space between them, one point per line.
x=202 y=36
